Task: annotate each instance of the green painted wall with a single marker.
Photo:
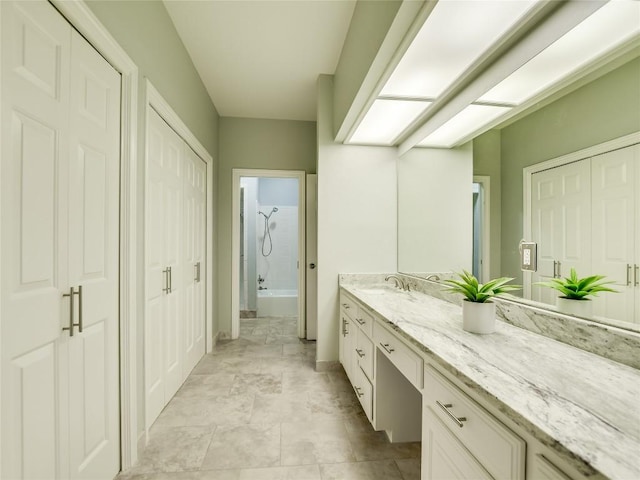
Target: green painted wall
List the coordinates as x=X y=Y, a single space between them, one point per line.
x=257 y=144
x=370 y=23
x=486 y=161
x=145 y=31
x=602 y=110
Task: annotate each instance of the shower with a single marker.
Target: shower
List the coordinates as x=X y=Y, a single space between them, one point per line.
x=267 y=233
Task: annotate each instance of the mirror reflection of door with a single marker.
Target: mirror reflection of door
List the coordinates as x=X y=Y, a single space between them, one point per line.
x=480 y=257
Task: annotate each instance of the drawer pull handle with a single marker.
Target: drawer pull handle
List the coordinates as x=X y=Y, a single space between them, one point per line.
x=346 y=306
x=359 y=352
x=628 y=274
x=387 y=347
x=446 y=408
x=361 y=321
x=358 y=392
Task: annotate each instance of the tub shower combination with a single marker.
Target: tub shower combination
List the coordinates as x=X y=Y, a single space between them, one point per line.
x=277 y=303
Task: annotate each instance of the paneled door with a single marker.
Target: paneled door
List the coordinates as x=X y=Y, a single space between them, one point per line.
x=94 y=148
x=194 y=228
x=561 y=224
x=60 y=128
x=163 y=332
x=614 y=190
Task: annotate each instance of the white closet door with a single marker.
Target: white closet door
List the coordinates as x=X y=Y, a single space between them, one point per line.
x=35 y=86
x=163 y=317
x=614 y=241
x=93 y=262
x=172 y=205
x=59 y=215
x=636 y=316
x=194 y=273
x=561 y=224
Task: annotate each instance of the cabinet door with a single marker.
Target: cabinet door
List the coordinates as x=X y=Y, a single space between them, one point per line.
x=614 y=198
x=347 y=338
x=561 y=224
x=364 y=391
x=543 y=469
x=443 y=456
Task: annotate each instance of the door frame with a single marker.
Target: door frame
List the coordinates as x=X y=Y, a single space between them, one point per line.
x=85 y=21
x=237 y=173
x=576 y=156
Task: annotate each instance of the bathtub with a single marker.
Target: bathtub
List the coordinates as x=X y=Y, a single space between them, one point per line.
x=277 y=303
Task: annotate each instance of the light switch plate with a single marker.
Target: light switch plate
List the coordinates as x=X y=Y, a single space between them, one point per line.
x=528 y=256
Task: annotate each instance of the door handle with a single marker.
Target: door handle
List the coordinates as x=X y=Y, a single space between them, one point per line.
x=628 y=274
x=312 y=266
x=559 y=269
x=170 y=280
x=197 y=267
x=72 y=293
x=636 y=275
x=167 y=280
x=554 y=269
x=80 y=309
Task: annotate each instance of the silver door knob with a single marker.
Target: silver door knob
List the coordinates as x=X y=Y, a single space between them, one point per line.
x=312 y=266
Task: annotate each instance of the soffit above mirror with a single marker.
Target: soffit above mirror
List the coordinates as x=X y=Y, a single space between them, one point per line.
x=473 y=65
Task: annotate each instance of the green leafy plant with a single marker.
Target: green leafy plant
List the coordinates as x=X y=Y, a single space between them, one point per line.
x=576 y=288
x=474 y=291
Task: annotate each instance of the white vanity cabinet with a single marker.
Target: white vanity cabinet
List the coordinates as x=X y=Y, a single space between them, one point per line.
x=482 y=443
x=357 y=351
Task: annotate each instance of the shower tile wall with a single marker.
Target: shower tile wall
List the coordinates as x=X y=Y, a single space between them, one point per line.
x=279 y=269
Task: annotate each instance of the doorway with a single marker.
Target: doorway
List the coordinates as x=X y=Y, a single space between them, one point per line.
x=268 y=251
x=480 y=262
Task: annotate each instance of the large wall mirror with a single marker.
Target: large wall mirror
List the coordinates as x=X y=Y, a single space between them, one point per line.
x=471 y=213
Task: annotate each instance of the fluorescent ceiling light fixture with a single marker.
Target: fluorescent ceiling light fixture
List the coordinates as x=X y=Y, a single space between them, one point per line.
x=454 y=36
x=463 y=124
x=385 y=120
x=607 y=28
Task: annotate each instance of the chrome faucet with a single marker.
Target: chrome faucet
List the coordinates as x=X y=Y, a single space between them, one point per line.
x=399 y=282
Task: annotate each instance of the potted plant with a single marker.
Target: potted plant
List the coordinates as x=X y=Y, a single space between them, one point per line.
x=478 y=312
x=575 y=292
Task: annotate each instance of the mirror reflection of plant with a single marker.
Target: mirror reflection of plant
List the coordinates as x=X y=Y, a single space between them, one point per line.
x=477 y=292
x=576 y=288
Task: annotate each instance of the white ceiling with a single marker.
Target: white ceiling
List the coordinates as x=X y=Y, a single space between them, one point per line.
x=262 y=58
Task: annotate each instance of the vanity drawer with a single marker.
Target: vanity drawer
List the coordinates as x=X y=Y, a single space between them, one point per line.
x=364 y=352
x=365 y=320
x=498 y=449
x=348 y=306
x=364 y=392
x=402 y=357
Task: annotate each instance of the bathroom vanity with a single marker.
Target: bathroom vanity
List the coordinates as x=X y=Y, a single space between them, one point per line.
x=510 y=405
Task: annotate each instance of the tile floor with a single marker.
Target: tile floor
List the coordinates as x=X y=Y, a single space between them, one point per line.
x=256 y=409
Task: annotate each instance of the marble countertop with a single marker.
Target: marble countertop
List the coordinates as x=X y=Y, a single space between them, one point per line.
x=585 y=406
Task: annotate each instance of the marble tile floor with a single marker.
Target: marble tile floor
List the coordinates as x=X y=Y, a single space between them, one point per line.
x=256 y=409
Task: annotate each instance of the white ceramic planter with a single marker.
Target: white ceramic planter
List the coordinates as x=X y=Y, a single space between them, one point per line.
x=578 y=308
x=478 y=317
